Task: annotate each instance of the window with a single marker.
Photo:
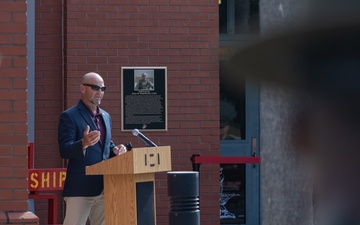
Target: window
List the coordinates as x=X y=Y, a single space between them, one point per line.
x=232 y=106
x=239 y=116
x=238 y=17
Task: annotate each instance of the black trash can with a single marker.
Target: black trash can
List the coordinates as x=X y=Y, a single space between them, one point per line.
x=183 y=191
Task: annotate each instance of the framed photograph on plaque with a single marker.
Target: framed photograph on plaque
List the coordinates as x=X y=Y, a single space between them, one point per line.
x=144 y=98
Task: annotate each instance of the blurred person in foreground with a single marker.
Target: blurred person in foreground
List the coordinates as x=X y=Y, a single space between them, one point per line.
x=84 y=135
x=321 y=58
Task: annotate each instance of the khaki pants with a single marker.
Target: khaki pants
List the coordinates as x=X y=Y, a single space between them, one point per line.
x=79 y=209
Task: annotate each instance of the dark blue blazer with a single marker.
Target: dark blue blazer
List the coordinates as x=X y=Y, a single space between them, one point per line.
x=71 y=129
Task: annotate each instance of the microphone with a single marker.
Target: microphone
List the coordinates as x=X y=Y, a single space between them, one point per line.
x=138 y=134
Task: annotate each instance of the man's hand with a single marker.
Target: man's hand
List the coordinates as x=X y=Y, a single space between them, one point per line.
x=120 y=149
x=90 y=138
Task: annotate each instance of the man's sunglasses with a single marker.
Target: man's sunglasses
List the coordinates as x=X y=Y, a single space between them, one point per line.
x=95 y=87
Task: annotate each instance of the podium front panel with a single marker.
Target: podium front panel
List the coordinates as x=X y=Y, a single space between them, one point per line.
x=145 y=203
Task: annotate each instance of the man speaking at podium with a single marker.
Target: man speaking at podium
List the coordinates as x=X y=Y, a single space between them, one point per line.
x=84 y=135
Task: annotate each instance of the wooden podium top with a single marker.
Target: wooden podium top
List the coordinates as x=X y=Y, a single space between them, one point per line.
x=137 y=161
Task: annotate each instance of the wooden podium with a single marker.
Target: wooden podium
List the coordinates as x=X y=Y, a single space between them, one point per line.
x=129 y=184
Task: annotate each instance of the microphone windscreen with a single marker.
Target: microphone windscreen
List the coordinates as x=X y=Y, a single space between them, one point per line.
x=135 y=132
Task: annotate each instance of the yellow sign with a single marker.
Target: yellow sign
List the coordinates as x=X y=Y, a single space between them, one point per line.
x=46 y=179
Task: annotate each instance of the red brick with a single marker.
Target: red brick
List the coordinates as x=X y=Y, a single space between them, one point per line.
x=14 y=50
x=205 y=124
x=169 y=9
x=5 y=17
x=159 y=30
x=159 y=2
x=19 y=17
x=159 y=16
x=139 y=30
x=205 y=3
x=174 y=81
x=179 y=45
x=13 y=183
x=149 y=8
x=190 y=81
x=13 y=161
x=107 y=23
x=200 y=16
x=14 y=28
x=209 y=67
x=179 y=88
x=139 y=16
x=7 y=128
x=6 y=39
x=190 y=110
x=189 y=66
x=189 y=124
x=19 y=39
x=20 y=150
x=179 y=30
x=5 y=171
x=11 y=205
x=178 y=2
x=207 y=38
x=20 y=173
x=169 y=23
x=125 y=9
x=169 y=52
x=160 y=45
x=5 y=106
x=13 y=117
x=120 y=17
x=6 y=194
x=183 y=20
x=10 y=6
x=20 y=62
x=190 y=52
x=149 y=38
x=190 y=38
x=12 y=95
x=202 y=9
x=20 y=194
x=106 y=8
x=189 y=24
x=201 y=30
x=180 y=59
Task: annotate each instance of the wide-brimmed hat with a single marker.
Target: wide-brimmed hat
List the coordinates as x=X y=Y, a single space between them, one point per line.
x=322 y=53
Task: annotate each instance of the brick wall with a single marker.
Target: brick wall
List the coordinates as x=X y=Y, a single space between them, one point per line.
x=13 y=112
x=48 y=81
x=13 y=116
x=103 y=36
x=48 y=90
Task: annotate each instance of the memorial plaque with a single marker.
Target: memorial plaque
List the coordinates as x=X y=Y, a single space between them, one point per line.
x=144 y=98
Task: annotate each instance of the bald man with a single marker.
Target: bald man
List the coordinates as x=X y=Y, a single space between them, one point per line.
x=84 y=135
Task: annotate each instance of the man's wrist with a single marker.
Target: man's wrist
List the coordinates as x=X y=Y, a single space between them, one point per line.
x=84 y=147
